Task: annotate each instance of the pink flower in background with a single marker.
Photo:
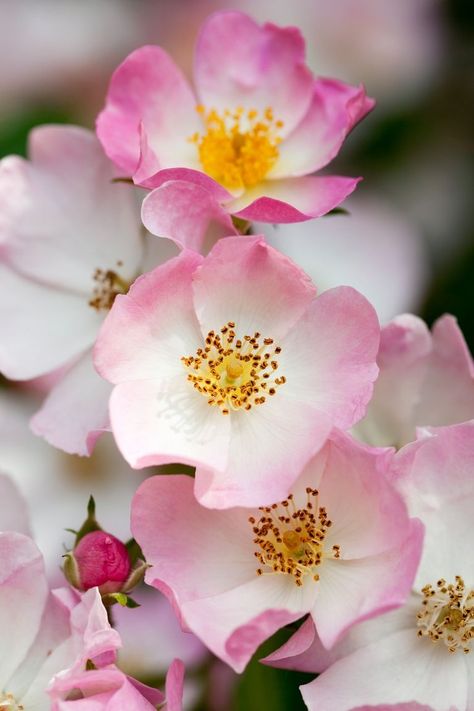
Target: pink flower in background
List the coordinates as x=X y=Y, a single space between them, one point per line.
x=426 y=379
x=416 y=656
x=231 y=364
x=260 y=125
x=70 y=240
x=340 y=546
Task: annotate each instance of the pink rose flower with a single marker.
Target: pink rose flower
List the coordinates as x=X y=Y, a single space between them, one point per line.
x=419 y=656
x=70 y=240
x=258 y=127
x=340 y=547
x=426 y=379
x=232 y=364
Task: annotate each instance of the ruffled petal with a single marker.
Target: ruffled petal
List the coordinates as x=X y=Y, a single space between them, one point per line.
x=335 y=109
x=188 y=214
x=240 y=63
x=293 y=199
x=75 y=413
x=246 y=281
x=148 y=90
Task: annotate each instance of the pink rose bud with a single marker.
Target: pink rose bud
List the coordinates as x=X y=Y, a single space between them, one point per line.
x=103 y=561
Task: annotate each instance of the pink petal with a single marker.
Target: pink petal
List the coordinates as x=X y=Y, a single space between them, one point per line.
x=354 y=590
x=269 y=446
x=329 y=356
x=102 y=690
x=148 y=89
x=293 y=199
x=240 y=63
x=75 y=413
x=61 y=326
x=294 y=653
x=334 y=111
x=246 y=281
x=62 y=216
x=148 y=330
x=174 y=686
x=186 y=213
x=23 y=596
x=15 y=515
x=93 y=636
x=158 y=422
x=398 y=669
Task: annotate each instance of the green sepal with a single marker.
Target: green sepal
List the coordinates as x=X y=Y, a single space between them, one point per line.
x=337 y=211
x=71 y=570
x=122 y=599
x=134 y=551
x=90 y=524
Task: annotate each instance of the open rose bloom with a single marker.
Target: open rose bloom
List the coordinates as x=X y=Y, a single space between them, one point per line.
x=421 y=655
x=250 y=137
x=340 y=546
x=233 y=365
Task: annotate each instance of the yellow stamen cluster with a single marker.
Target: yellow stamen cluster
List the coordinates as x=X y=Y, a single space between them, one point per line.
x=239 y=147
x=447 y=614
x=108 y=285
x=9 y=703
x=291 y=539
x=234 y=373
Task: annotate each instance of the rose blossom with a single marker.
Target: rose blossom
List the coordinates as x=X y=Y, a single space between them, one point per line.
x=231 y=364
x=260 y=126
x=425 y=379
x=421 y=655
x=340 y=546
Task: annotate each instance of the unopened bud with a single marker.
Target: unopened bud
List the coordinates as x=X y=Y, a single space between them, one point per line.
x=99 y=560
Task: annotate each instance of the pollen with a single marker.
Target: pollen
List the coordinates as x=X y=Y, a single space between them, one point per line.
x=238 y=147
x=9 y=703
x=447 y=614
x=235 y=373
x=108 y=284
x=291 y=540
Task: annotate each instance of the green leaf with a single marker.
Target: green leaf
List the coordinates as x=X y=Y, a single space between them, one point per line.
x=122 y=599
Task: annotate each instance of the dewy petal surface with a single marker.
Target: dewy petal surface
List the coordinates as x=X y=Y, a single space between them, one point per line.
x=149 y=89
x=240 y=63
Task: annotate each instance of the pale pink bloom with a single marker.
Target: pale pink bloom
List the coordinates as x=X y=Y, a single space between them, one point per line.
x=14 y=516
x=421 y=655
x=69 y=241
x=340 y=547
x=260 y=124
x=109 y=689
x=232 y=364
x=426 y=379
x=43 y=633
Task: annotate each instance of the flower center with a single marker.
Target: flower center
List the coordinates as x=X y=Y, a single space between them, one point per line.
x=107 y=285
x=291 y=540
x=234 y=373
x=447 y=614
x=9 y=703
x=239 y=147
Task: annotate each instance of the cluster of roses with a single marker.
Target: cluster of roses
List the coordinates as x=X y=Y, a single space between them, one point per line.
x=218 y=353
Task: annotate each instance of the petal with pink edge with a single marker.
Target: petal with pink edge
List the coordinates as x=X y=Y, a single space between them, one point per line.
x=148 y=330
x=351 y=591
x=335 y=109
x=148 y=89
x=245 y=281
x=240 y=63
x=399 y=669
x=188 y=214
x=23 y=596
x=329 y=356
x=75 y=413
x=293 y=199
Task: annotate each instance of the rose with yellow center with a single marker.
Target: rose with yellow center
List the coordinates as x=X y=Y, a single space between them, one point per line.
x=447 y=614
x=239 y=147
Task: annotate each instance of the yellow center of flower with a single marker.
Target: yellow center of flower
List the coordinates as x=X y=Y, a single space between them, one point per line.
x=9 y=703
x=108 y=284
x=239 y=147
x=290 y=540
x=234 y=373
x=447 y=614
